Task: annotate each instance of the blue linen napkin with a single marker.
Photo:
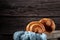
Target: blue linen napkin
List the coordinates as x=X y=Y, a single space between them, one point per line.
x=27 y=35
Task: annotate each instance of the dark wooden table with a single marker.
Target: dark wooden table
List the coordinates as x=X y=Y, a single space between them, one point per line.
x=16 y=14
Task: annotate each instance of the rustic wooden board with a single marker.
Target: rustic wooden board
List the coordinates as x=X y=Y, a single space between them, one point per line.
x=54 y=35
x=16 y=14
x=30 y=8
x=12 y=24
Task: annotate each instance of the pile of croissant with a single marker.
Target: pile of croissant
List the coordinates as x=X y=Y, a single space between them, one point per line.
x=44 y=25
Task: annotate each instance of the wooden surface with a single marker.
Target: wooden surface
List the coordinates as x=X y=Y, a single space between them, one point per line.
x=30 y=8
x=12 y=24
x=54 y=35
x=16 y=14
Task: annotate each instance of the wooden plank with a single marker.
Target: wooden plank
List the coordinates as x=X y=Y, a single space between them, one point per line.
x=54 y=35
x=30 y=8
x=6 y=37
x=42 y=13
x=11 y=24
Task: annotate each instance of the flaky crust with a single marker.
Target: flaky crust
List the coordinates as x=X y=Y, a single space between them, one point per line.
x=48 y=24
x=36 y=27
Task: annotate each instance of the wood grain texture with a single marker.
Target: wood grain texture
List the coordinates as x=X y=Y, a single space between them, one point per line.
x=30 y=8
x=55 y=35
x=12 y=24
x=16 y=14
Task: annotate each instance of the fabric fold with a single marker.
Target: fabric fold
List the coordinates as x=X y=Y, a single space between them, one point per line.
x=27 y=35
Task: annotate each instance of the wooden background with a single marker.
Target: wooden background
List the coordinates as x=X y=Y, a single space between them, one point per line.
x=16 y=14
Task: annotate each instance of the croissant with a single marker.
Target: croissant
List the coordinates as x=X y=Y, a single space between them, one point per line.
x=36 y=27
x=48 y=24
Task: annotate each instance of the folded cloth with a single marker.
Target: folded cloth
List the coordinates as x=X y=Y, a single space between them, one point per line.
x=27 y=35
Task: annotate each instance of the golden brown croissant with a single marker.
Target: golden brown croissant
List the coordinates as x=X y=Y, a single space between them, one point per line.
x=48 y=24
x=36 y=27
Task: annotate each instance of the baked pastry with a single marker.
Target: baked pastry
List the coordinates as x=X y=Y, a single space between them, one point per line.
x=48 y=24
x=35 y=26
